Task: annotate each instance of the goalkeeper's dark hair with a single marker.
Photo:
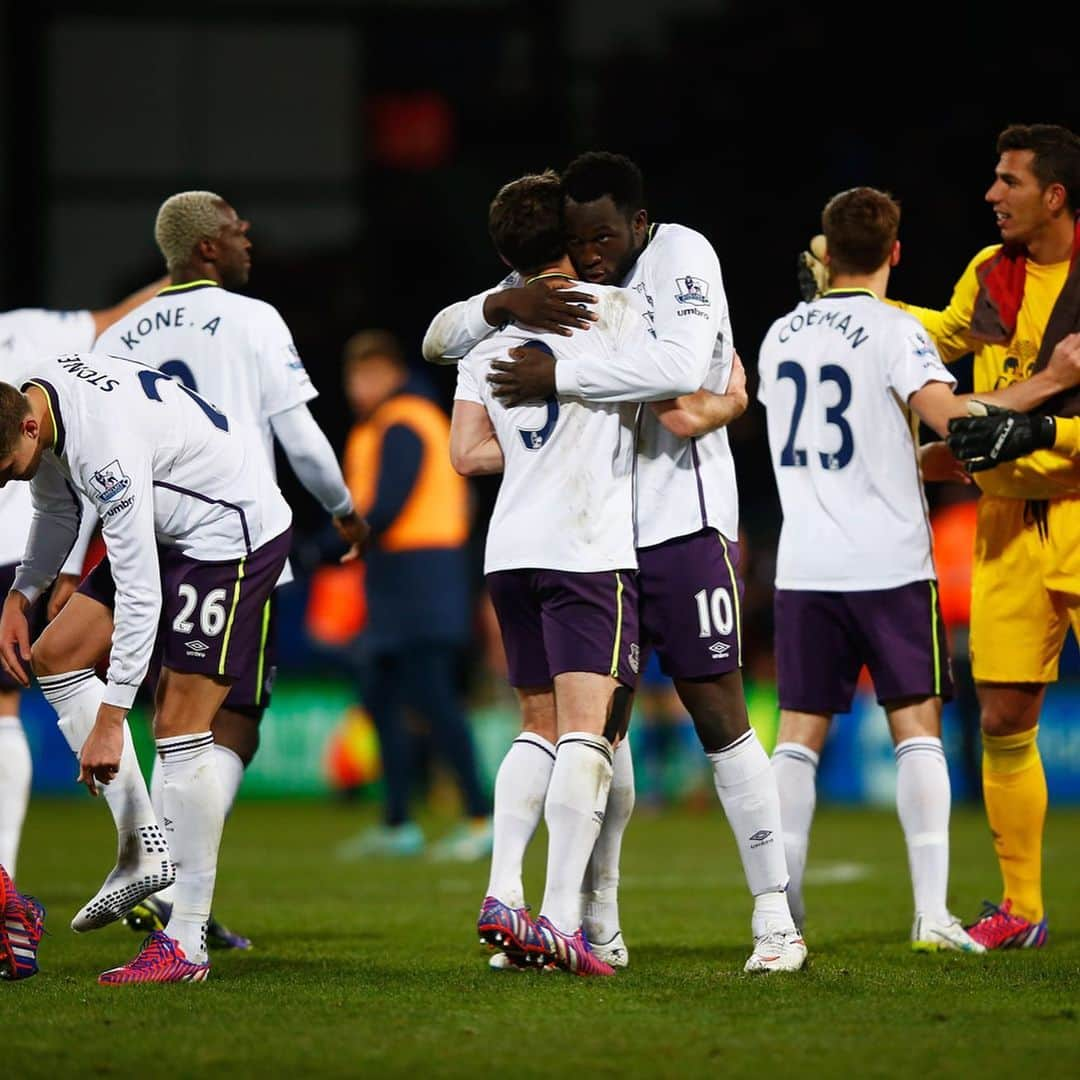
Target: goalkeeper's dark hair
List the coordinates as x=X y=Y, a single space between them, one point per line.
x=1056 y=155
x=14 y=408
x=860 y=227
x=592 y=175
x=525 y=221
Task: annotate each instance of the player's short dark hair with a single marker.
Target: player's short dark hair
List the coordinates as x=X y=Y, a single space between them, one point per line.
x=596 y=173
x=14 y=408
x=1056 y=155
x=525 y=221
x=366 y=344
x=860 y=227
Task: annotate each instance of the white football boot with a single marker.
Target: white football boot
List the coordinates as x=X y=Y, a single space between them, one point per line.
x=933 y=935
x=777 y=950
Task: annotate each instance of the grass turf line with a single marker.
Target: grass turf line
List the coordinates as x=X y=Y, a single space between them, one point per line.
x=373 y=967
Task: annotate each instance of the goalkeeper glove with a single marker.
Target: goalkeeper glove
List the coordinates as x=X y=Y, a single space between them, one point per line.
x=813 y=274
x=992 y=435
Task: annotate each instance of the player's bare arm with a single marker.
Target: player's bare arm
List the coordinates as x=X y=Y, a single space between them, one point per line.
x=105 y=317
x=544 y=304
x=704 y=411
x=937 y=405
x=474 y=447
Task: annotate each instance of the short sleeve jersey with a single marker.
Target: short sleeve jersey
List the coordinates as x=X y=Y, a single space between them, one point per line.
x=835 y=378
x=566 y=497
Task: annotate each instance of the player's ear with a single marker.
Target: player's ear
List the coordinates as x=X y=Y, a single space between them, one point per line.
x=639 y=223
x=894 y=255
x=30 y=427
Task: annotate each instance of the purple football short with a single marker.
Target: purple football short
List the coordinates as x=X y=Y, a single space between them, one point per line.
x=217 y=618
x=691 y=600
x=553 y=621
x=823 y=639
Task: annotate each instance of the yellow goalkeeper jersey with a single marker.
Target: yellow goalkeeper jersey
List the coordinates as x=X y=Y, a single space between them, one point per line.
x=1045 y=474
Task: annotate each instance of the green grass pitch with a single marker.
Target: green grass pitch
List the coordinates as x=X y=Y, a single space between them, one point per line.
x=374 y=969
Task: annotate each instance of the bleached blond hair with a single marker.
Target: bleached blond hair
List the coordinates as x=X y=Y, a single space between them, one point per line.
x=182 y=221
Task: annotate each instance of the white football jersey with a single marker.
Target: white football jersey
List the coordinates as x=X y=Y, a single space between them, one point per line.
x=835 y=378
x=234 y=351
x=566 y=497
x=24 y=333
x=683 y=485
x=160 y=465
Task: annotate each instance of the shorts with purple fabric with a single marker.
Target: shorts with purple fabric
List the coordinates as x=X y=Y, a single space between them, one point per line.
x=216 y=617
x=554 y=621
x=35 y=617
x=691 y=600
x=823 y=639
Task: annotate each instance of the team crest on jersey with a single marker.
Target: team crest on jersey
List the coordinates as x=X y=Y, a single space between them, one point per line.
x=110 y=481
x=692 y=290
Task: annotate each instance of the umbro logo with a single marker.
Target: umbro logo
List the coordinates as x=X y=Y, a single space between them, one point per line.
x=719 y=649
x=761 y=837
x=196 y=648
x=598 y=816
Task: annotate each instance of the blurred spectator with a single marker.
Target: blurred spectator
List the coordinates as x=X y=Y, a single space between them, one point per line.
x=953 y=523
x=411 y=655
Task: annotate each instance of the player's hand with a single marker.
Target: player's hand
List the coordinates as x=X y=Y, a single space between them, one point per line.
x=531 y=376
x=355 y=531
x=813 y=274
x=545 y=304
x=15 y=638
x=1064 y=362
x=99 y=759
x=62 y=589
x=938 y=464
x=992 y=435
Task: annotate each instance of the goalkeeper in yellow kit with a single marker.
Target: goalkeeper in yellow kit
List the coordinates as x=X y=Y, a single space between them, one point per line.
x=1014 y=304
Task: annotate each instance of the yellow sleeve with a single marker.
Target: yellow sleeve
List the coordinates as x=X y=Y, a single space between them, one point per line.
x=1067 y=439
x=949 y=328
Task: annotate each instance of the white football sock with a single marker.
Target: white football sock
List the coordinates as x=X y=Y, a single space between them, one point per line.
x=601 y=887
x=194 y=816
x=230 y=774
x=923 y=799
x=795 y=769
x=16 y=772
x=157 y=781
x=76 y=697
x=747 y=789
x=521 y=786
x=574 y=812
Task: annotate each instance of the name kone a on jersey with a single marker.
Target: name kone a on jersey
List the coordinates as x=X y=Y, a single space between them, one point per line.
x=835 y=378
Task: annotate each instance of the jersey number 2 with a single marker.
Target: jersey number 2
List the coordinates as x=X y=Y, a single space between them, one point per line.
x=150 y=377
x=834 y=415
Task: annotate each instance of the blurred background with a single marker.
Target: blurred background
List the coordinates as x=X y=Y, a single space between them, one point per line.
x=364 y=142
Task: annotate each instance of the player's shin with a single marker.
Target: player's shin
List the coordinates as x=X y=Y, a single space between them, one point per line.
x=76 y=697
x=923 y=801
x=601 y=886
x=16 y=770
x=795 y=769
x=747 y=789
x=194 y=816
x=521 y=786
x=574 y=810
